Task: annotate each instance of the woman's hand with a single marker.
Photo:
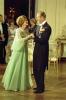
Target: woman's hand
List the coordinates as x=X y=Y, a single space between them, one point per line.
x=32 y=36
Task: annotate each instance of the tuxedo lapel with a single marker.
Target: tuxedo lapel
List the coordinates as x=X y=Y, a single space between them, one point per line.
x=37 y=30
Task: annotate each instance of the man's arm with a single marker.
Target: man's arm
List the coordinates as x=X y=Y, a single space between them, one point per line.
x=44 y=36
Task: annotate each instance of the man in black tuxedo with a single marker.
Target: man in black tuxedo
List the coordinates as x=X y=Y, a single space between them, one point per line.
x=3 y=40
x=41 y=51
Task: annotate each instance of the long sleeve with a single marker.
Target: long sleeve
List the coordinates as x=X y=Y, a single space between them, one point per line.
x=18 y=42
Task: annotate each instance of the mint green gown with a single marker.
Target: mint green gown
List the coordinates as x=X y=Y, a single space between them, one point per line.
x=17 y=76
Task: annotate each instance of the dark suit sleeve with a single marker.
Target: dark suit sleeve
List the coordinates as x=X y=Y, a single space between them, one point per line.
x=5 y=32
x=44 y=36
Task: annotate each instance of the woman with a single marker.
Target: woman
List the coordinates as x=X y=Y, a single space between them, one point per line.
x=12 y=28
x=17 y=75
x=33 y=25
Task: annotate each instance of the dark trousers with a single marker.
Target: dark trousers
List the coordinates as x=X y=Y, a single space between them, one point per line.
x=39 y=77
x=2 y=53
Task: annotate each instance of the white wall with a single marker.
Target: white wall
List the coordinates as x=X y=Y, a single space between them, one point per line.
x=56 y=14
x=2 y=7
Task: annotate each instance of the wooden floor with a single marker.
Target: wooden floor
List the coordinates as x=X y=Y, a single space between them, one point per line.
x=55 y=81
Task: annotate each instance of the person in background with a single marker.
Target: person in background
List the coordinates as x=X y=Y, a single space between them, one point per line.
x=3 y=40
x=11 y=30
x=41 y=51
x=32 y=29
x=33 y=24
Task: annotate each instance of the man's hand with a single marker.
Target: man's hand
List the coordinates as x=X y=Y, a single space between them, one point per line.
x=41 y=30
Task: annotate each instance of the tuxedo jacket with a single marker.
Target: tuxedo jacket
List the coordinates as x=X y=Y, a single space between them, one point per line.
x=41 y=49
x=5 y=32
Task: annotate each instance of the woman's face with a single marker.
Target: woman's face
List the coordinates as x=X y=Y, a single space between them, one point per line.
x=32 y=23
x=25 y=24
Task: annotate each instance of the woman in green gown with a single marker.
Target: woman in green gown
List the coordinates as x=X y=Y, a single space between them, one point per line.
x=17 y=75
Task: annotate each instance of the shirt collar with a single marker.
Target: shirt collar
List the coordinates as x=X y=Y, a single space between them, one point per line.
x=42 y=23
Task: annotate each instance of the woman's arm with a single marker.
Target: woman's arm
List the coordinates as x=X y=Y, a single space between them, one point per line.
x=31 y=36
x=20 y=38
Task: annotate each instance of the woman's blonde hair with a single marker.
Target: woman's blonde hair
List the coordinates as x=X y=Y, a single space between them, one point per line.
x=20 y=20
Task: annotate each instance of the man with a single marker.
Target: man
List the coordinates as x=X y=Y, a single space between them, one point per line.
x=3 y=40
x=41 y=50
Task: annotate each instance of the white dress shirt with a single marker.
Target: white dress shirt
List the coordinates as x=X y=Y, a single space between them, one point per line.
x=42 y=23
x=41 y=26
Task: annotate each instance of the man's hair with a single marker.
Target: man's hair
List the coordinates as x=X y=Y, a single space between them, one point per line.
x=42 y=13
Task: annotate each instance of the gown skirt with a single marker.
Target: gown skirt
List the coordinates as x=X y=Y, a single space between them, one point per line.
x=17 y=76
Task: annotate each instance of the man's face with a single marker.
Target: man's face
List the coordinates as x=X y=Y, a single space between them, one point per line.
x=1 y=19
x=38 y=17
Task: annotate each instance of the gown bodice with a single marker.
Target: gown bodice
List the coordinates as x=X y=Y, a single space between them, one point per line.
x=19 y=40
